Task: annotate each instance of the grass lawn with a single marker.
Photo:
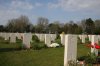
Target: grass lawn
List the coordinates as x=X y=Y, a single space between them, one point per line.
x=82 y=50
x=10 y=55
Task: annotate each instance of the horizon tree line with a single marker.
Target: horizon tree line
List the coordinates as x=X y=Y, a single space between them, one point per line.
x=23 y=24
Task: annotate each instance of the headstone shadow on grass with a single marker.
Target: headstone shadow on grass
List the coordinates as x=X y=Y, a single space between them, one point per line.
x=9 y=49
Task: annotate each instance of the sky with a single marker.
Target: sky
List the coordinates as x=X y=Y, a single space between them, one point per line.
x=54 y=10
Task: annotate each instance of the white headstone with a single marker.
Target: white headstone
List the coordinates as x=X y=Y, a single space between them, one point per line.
x=7 y=36
x=90 y=37
x=18 y=35
x=27 y=37
x=94 y=40
x=62 y=36
x=70 y=52
x=38 y=35
x=47 y=39
x=0 y=34
x=53 y=37
x=12 y=37
x=3 y=35
x=80 y=36
x=83 y=38
x=42 y=37
x=99 y=37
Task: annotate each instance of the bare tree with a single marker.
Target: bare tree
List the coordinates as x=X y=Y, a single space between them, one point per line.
x=42 y=24
x=18 y=25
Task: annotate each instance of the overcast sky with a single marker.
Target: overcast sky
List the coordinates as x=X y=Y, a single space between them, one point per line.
x=61 y=10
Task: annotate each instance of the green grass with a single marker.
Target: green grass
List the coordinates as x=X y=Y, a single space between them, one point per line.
x=44 y=57
x=11 y=55
x=82 y=50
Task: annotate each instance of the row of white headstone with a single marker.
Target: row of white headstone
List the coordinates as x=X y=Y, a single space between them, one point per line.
x=47 y=38
x=82 y=37
x=27 y=37
x=70 y=52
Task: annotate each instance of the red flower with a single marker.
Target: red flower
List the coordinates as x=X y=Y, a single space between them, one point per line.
x=93 y=46
x=97 y=46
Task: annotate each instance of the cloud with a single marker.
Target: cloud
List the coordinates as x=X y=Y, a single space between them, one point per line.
x=38 y=4
x=76 y=5
x=70 y=8
x=21 y=5
x=5 y=15
x=15 y=4
x=52 y=5
x=15 y=8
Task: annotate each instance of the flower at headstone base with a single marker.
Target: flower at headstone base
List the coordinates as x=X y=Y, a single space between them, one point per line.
x=93 y=46
x=97 y=46
x=90 y=46
x=54 y=45
x=5 y=39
